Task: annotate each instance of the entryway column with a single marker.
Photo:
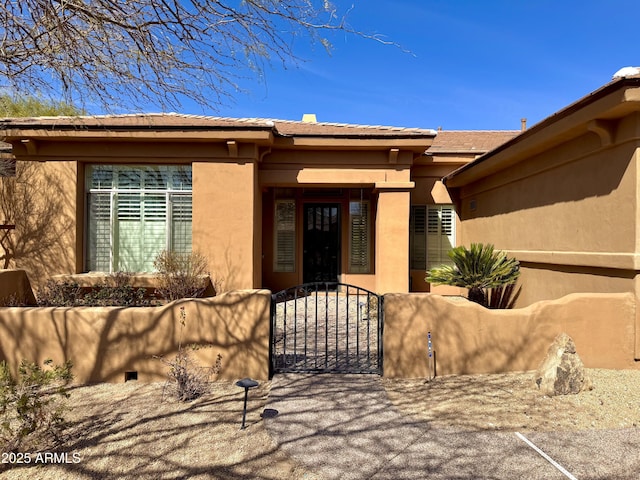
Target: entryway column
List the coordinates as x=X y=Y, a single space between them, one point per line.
x=392 y=239
x=225 y=229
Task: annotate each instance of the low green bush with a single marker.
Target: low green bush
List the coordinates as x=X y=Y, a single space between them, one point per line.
x=32 y=405
x=59 y=294
x=116 y=291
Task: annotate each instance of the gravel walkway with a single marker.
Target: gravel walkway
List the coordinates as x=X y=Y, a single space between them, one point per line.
x=344 y=427
x=327 y=331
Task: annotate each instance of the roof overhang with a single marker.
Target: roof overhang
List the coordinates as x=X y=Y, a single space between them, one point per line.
x=593 y=113
x=186 y=128
x=415 y=144
x=131 y=128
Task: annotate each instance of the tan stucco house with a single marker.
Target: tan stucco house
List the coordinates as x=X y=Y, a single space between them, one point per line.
x=563 y=197
x=270 y=203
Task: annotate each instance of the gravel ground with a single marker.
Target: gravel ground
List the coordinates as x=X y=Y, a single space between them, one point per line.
x=512 y=402
x=327 y=331
x=127 y=431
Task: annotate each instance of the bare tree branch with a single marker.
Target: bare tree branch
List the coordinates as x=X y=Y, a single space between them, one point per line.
x=153 y=52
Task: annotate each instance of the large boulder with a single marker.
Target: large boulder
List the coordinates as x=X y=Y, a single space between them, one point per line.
x=562 y=372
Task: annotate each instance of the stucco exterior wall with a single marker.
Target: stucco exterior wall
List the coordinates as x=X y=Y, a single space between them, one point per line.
x=568 y=214
x=564 y=200
x=549 y=282
x=42 y=201
x=106 y=342
x=225 y=227
x=468 y=338
x=392 y=242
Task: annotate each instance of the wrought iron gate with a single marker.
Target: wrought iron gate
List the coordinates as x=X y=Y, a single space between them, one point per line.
x=326 y=327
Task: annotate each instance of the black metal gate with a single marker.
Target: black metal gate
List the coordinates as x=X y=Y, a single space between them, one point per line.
x=326 y=327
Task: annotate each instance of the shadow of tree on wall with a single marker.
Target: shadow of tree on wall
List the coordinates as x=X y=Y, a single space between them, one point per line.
x=466 y=338
x=36 y=202
x=480 y=341
x=106 y=342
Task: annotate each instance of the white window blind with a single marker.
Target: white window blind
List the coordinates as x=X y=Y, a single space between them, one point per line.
x=181 y=224
x=432 y=235
x=135 y=212
x=359 y=251
x=285 y=236
x=99 y=232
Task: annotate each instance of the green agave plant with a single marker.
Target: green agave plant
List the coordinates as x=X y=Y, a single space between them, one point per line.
x=478 y=269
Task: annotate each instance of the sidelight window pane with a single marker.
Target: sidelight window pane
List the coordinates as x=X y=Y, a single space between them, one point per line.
x=359 y=237
x=285 y=236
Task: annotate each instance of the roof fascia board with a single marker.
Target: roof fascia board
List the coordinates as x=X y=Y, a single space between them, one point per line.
x=614 y=100
x=258 y=136
x=414 y=144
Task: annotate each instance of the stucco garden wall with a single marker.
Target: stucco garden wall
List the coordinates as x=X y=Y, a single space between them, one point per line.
x=106 y=342
x=468 y=338
x=15 y=287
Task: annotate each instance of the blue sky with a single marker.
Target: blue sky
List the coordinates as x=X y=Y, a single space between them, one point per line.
x=473 y=64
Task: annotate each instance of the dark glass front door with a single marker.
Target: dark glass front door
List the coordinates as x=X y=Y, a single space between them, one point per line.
x=321 y=242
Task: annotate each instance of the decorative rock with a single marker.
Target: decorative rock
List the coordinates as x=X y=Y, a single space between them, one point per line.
x=562 y=371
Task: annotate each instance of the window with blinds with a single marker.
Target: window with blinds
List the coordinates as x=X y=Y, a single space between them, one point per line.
x=284 y=255
x=135 y=212
x=359 y=237
x=431 y=235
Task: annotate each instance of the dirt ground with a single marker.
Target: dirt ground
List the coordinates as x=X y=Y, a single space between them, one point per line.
x=127 y=431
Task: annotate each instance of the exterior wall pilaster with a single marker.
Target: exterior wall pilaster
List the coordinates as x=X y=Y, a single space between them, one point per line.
x=392 y=241
x=224 y=206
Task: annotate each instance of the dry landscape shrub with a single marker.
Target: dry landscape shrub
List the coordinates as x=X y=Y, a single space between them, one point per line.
x=59 y=294
x=187 y=380
x=182 y=275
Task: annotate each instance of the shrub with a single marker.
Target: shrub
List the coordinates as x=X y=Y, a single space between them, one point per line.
x=504 y=296
x=182 y=275
x=59 y=294
x=15 y=300
x=32 y=405
x=186 y=379
x=479 y=268
x=116 y=291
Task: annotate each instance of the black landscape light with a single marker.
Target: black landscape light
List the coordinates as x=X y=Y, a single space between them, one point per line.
x=246 y=383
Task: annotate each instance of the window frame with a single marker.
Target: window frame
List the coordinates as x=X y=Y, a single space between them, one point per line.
x=170 y=192
x=430 y=256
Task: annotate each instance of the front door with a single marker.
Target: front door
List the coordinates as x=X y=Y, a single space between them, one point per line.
x=321 y=242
